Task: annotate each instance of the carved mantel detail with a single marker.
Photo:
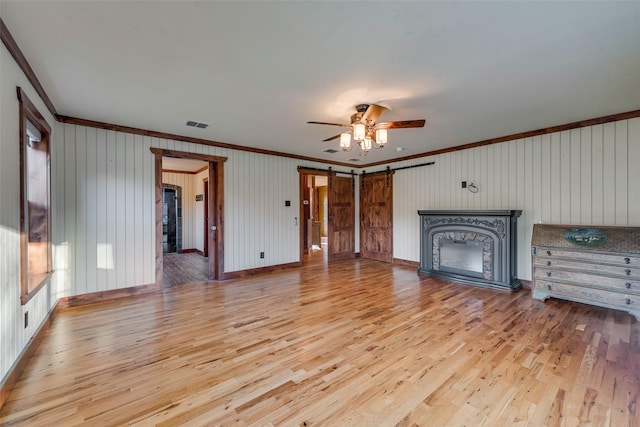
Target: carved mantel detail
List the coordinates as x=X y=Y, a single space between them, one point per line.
x=497 y=224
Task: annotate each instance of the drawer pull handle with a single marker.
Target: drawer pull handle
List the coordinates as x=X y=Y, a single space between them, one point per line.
x=627 y=285
x=548 y=263
x=549 y=253
x=627 y=260
x=549 y=287
x=548 y=274
x=627 y=272
x=628 y=301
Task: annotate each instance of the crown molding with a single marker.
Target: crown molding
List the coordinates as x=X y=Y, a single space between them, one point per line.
x=14 y=50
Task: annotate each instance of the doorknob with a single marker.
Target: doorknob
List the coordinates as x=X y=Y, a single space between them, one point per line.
x=213 y=228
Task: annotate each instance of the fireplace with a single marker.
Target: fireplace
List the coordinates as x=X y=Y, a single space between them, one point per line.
x=470 y=247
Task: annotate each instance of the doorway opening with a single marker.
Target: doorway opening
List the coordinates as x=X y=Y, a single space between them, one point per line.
x=315 y=219
x=171 y=218
x=189 y=187
x=327 y=212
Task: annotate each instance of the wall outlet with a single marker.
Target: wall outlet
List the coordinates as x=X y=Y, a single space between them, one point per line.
x=287 y=202
x=464 y=184
x=261 y=254
x=26 y=319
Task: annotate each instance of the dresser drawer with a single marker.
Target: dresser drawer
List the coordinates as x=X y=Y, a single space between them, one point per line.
x=578 y=278
x=583 y=294
x=592 y=256
x=581 y=265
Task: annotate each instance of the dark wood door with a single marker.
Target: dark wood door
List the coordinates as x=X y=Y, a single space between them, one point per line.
x=376 y=216
x=341 y=218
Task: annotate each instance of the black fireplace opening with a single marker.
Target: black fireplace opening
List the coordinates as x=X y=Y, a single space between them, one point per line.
x=462 y=257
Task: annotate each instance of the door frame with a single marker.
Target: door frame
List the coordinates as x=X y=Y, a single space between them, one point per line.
x=304 y=173
x=215 y=210
x=178 y=220
x=205 y=218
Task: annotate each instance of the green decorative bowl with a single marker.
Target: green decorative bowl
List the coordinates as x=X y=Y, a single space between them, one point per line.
x=586 y=237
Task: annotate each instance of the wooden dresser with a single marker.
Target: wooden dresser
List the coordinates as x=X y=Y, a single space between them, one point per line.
x=607 y=275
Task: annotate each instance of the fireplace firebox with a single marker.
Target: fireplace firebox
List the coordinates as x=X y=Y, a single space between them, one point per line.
x=471 y=247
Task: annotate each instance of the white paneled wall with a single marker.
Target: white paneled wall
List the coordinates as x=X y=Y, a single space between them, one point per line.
x=106 y=181
x=256 y=218
x=583 y=176
x=14 y=336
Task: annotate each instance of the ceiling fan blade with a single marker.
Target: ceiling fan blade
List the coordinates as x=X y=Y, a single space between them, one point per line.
x=332 y=138
x=401 y=124
x=330 y=124
x=373 y=113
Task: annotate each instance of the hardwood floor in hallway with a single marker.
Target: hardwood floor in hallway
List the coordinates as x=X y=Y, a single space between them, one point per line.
x=181 y=268
x=352 y=343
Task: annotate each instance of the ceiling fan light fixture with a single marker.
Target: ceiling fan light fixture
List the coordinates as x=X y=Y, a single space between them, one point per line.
x=381 y=136
x=359 y=130
x=345 y=141
x=364 y=129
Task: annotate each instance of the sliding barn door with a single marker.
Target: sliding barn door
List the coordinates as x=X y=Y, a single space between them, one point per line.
x=376 y=216
x=341 y=218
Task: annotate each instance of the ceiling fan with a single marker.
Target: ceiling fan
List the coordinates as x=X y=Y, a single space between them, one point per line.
x=364 y=129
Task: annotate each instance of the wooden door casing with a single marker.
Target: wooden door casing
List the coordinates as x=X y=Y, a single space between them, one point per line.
x=341 y=218
x=376 y=216
x=205 y=248
x=215 y=209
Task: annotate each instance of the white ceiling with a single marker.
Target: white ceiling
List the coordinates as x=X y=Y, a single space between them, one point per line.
x=183 y=165
x=257 y=71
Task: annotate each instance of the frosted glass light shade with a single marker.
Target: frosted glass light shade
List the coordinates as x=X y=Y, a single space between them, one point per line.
x=345 y=141
x=381 y=136
x=366 y=144
x=358 y=131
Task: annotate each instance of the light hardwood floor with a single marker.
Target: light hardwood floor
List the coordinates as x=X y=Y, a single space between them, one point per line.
x=355 y=343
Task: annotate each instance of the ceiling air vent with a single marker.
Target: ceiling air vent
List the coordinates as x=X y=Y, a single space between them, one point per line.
x=330 y=150
x=197 y=124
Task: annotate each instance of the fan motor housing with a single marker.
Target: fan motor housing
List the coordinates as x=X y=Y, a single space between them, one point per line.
x=356 y=118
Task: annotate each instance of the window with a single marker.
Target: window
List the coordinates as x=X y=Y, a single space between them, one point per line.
x=35 y=218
